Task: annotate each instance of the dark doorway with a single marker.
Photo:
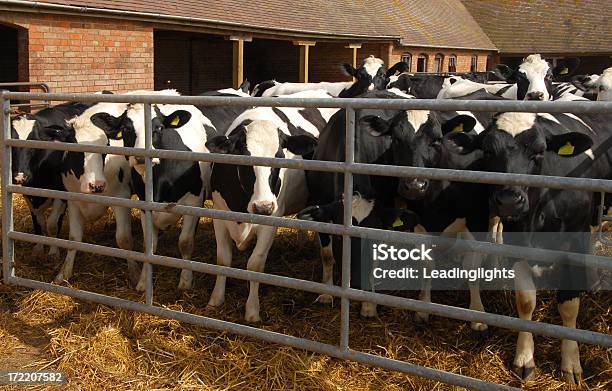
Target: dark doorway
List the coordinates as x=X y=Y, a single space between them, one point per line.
x=9 y=59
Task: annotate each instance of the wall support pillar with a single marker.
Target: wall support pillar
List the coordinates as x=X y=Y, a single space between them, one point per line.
x=304 y=57
x=238 y=59
x=354 y=47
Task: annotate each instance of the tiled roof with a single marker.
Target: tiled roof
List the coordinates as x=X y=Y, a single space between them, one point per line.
x=546 y=26
x=414 y=22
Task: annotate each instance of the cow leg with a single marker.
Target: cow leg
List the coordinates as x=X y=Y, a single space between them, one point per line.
x=524 y=363
x=224 y=258
x=38 y=222
x=54 y=223
x=257 y=263
x=472 y=261
x=186 y=239
x=141 y=282
x=570 y=354
x=327 y=258
x=76 y=222
x=123 y=237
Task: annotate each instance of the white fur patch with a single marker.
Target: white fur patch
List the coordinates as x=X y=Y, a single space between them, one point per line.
x=515 y=123
x=417 y=118
x=589 y=153
x=361 y=208
x=604 y=85
x=372 y=64
x=23 y=126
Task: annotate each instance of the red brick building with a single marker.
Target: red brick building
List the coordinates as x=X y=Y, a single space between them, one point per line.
x=194 y=46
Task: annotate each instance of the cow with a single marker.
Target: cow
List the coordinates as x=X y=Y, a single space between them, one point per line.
x=371 y=75
x=289 y=133
x=600 y=85
x=41 y=168
x=397 y=137
x=533 y=80
x=181 y=128
x=528 y=143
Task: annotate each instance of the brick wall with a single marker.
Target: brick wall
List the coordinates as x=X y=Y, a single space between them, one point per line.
x=80 y=54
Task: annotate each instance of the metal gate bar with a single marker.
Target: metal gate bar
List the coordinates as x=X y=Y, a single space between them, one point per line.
x=346 y=230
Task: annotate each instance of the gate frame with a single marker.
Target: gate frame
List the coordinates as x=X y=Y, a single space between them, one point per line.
x=346 y=230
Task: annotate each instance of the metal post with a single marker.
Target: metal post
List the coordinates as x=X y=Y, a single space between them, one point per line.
x=8 y=270
x=349 y=153
x=148 y=180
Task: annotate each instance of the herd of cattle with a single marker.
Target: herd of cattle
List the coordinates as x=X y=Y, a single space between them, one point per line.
x=527 y=143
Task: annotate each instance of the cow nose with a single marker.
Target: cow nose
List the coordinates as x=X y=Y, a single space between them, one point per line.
x=510 y=202
x=97 y=186
x=140 y=160
x=19 y=178
x=263 y=207
x=536 y=95
x=417 y=185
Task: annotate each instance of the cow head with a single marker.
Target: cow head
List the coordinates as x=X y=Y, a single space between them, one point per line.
x=600 y=85
x=534 y=76
x=521 y=143
x=259 y=184
x=416 y=141
x=29 y=160
x=371 y=75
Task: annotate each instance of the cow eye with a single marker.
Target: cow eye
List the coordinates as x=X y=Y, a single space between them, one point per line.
x=436 y=143
x=536 y=157
x=601 y=88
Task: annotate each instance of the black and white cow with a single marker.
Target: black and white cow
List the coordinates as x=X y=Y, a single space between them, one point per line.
x=600 y=85
x=183 y=182
x=41 y=168
x=407 y=138
x=95 y=173
x=527 y=143
x=533 y=80
x=372 y=74
x=283 y=132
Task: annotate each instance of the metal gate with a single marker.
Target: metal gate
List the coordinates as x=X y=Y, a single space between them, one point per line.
x=346 y=230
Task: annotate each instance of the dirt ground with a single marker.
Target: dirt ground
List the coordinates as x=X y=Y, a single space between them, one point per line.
x=103 y=348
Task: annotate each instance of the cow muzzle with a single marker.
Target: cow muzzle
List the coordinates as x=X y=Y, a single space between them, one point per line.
x=413 y=188
x=96 y=186
x=20 y=178
x=265 y=208
x=509 y=204
x=535 y=95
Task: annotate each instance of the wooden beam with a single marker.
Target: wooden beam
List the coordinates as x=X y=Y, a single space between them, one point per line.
x=238 y=63
x=354 y=47
x=304 y=57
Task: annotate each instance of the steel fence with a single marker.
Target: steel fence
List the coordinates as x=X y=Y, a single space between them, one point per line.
x=42 y=86
x=347 y=230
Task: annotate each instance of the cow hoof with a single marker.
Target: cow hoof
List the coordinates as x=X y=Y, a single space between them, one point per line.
x=252 y=318
x=481 y=334
x=141 y=286
x=573 y=377
x=526 y=372
x=368 y=310
x=421 y=317
x=479 y=327
x=325 y=299
x=185 y=281
x=60 y=278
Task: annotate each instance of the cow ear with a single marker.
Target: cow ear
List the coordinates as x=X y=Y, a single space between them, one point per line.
x=400 y=67
x=321 y=213
x=375 y=125
x=582 y=82
x=245 y=86
x=220 y=144
x=177 y=119
x=504 y=72
x=105 y=121
x=460 y=142
x=399 y=219
x=569 y=144
x=565 y=67
x=348 y=69
x=459 y=123
x=299 y=145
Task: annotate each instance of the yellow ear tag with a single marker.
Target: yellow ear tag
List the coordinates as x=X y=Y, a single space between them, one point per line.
x=564 y=71
x=458 y=128
x=119 y=134
x=398 y=222
x=567 y=149
x=175 y=121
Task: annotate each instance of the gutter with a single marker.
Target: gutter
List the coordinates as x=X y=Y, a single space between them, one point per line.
x=403 y=42
x=36 y=6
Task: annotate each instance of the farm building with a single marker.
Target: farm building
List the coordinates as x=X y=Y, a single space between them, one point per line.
x=556 y=29
x=194 y=46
